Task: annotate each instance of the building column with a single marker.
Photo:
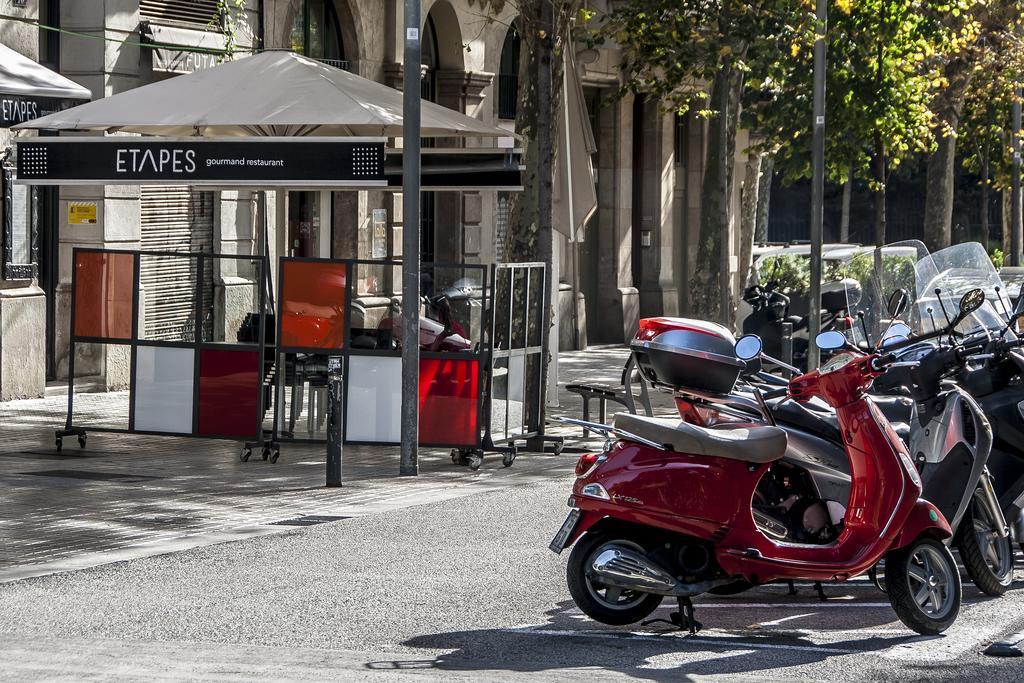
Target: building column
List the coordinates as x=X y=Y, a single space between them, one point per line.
x=617 y=299
x=658 y=295
x=106 y=68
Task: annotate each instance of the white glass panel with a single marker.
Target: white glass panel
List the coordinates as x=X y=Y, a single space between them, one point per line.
x=163 y=389
x=373 y=408
x=21 y=214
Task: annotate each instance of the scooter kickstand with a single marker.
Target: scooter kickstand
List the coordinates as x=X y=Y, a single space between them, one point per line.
x=684 y=618
x=821 y=591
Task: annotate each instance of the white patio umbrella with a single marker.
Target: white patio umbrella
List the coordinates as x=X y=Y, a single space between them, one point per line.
x=21 y=76
x=273 y=93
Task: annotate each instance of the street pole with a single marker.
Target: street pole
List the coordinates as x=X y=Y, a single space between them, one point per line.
x=817 y=183
x=1016 y=230
x=334 y=420
x=409 y=465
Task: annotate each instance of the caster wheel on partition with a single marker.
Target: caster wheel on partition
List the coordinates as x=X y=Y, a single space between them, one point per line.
x=60 y=444
x=81 y=441
x=559 y=446
x=475 y=460
x=508 y=458
x=266 y=453
x=245 y=454
x=456 y=455
x=274 y=455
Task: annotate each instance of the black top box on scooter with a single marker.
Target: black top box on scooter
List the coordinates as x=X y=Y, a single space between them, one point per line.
x=681 y=354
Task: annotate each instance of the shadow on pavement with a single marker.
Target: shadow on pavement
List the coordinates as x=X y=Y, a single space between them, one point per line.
x=568 y=641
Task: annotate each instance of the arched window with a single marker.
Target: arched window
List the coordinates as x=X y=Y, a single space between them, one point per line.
x=508 y=75
x=430 y=58
x=316 y=33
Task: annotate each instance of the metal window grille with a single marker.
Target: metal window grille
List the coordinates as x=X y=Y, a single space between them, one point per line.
x=681 y=139
x=501 y=226
x=201 y=13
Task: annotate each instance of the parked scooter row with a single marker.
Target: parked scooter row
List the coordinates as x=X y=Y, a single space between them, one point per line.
x=808 y=480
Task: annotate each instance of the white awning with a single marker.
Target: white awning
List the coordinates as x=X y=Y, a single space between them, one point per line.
x=23 y=77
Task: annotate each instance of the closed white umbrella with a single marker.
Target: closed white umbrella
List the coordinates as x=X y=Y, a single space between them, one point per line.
x=273 y=93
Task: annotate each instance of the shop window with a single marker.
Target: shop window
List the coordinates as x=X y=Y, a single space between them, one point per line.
x=508 y=76
x=316 y=33
x=304 y=224
x=20 y=217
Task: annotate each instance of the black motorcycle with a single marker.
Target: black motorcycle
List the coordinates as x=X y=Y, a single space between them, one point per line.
x=771 y=312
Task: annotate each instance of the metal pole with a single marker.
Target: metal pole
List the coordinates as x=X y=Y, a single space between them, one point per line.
x=1016 y=231
x=334 y=420
x=411 y=245
x=409 y=465
x=817 y=184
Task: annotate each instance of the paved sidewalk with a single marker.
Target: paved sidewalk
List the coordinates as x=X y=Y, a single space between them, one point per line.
x=129 y=496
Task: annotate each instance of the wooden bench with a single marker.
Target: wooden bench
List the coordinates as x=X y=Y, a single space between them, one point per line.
x=603 y=393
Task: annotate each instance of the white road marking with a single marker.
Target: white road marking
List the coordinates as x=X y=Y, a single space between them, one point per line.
x=778 y=622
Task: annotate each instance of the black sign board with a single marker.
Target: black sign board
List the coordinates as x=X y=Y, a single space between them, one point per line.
x=15 y=109
x=263 y=162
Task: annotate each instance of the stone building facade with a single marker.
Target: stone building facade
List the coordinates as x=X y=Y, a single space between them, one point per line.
x=639 y=246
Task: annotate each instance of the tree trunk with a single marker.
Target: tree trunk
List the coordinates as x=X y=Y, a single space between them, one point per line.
x=939 y=185
x=709 y=281
x=844 y=219
x=529 y=236
x=938 y=205
x=748 y=213
x=764 y=197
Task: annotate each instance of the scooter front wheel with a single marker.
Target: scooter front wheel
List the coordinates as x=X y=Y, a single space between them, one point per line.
x=924 y=586
x=987 y=558
x=606 y=604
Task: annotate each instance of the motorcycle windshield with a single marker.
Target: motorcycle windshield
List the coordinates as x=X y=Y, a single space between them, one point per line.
x=877 y=273
x=945 y=276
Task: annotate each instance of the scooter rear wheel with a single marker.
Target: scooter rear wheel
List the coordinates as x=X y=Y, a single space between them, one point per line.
x=602 y=603
x=924 y=586
x=987 y=558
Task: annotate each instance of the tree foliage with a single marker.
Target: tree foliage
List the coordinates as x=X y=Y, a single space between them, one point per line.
x=683 y=53
x=884 y=62
x=997 y=67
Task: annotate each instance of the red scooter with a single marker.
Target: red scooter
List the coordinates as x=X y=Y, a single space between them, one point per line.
x=668 y=510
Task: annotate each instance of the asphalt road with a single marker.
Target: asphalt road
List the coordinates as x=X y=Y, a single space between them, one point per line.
x=460 y=589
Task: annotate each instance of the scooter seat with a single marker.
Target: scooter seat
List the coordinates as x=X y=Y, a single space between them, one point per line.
x=748 y=444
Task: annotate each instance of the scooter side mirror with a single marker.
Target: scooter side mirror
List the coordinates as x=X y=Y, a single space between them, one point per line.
x=971 y=301
x=898 y=302
x=830 y=340
x=748 y=347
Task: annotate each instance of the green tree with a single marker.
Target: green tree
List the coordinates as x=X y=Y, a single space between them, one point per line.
x=983 y=49
x=681 y=52
x=985 y=126
x=884 y=63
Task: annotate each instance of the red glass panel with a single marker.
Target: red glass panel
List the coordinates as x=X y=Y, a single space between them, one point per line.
x=104 y=282
x=313 y=304
x=228 y=392
x=448 y=402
